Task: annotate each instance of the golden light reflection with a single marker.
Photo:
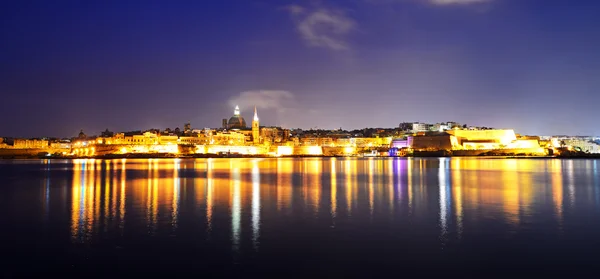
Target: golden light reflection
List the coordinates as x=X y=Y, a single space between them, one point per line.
x=355 y=183
x=176 y=194
x=508 y=190
x=85 y=201
x=152 y=196
x=209 y=195
x=76 y=199
x=370 y=187
x=526 y=190
x=236 y=207
x=107 y=196
x=348 y=189
x=255 y=204
x=113 y=191
x=409 y=175
x=333 y=189
x=557 y=188
x=122 y=197
x=285 y=168
x=314 y=182
x=457 y=194
x=97 y=188
x=390 y=188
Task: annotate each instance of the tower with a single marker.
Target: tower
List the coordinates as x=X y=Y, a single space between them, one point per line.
x=255 y=128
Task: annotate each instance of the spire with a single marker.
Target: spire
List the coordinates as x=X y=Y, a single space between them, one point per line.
x=255 y=114
x=236 y=111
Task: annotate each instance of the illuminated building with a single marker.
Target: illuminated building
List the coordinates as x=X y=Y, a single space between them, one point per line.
x=30 y=143
x=255 y=128
x=60 y=145
x=228 y=138
x=198 y=139
x=577 y=143
x=274 y=135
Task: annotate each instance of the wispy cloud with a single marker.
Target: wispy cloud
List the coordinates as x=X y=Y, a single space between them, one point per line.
x=321 y=27
x=279 y=100
x=458 y=2
x=433 y=2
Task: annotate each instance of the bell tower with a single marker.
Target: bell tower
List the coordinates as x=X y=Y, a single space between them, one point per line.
x=255 y=128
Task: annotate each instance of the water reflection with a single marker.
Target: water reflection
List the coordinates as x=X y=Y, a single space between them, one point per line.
x=209 y=196
x=255 y=204
x=444 y=199
x=260 y=194
x=333 y=188
x=236 y=206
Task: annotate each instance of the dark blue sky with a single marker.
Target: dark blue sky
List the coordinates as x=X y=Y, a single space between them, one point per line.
x=126 y=65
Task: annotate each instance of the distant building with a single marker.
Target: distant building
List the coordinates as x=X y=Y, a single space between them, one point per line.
x=420 y=127
x=107 y=134
x=405 y=126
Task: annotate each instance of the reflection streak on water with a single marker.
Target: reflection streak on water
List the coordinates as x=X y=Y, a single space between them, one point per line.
x=209 y=195
x=122 y=197
x=236 y=207
x=409 y=176
x=443 y=197
x=390 y=188
x=152 y=196
x=175 y=205
x=511 y=187
x=315 y=183
x=596 y=186
x=333 y=189
x=370 y=186
x=46 y=183
x=285 y=169
x=479 y=189
x=255 y=204
x=457 y=194
x=113 y=191
x=107 y=194
x=571 y=180
x=557 y=189
x=348 y=189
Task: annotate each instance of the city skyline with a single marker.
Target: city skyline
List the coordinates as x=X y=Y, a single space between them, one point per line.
x=129 y=65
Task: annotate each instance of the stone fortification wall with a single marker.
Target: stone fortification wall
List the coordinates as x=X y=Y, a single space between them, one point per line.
x=511 y=152
x=29 y=152
x=431 y=142
x=484 y=135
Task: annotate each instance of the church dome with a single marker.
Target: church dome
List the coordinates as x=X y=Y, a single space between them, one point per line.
x=236 y=121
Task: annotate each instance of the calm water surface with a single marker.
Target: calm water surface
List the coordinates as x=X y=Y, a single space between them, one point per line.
x=300 y=217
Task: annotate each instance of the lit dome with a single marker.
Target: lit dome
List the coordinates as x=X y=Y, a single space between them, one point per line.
x=236 y=121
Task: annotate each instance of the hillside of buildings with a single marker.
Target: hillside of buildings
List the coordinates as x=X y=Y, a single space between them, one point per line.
x=234 y=138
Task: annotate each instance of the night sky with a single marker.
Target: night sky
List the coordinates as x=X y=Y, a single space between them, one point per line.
x=133 y=65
